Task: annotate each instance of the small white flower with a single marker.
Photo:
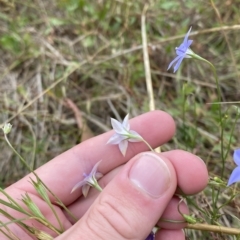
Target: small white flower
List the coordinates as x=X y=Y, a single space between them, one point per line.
x=90 y=180
x=123 y=134
x=7 y=128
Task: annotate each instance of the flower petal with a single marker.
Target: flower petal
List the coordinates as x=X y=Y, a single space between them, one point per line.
x=151 y=236
x=98 y=175
x=94 y=170
x=235 y=176
x=125 y=123
x=123 y=134
x=182 y=52
x=117 y=126
x=78 y=185
x=178 y=64
x=236 y=156
x=173 y=61
x=89 y=180
x=85 y=190
x=182 y=49
x=186 y=36
x=134 y=140
x=116 y=139
x=189 y=43
x=123 y=147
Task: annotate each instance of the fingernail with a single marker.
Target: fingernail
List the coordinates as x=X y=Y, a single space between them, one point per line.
x=151 y=174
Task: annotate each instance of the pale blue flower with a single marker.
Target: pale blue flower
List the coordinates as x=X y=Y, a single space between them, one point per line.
x=90 y=180
x=235 y=176
x=183 y=51
x=123 y=134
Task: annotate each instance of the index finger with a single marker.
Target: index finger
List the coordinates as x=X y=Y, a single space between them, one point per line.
x=65 y=170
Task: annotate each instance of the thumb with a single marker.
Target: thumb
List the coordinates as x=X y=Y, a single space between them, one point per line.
x=131 y=204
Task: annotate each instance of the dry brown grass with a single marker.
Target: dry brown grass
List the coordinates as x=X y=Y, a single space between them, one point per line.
x=90 y=53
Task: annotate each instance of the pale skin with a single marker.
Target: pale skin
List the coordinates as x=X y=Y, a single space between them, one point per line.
x=104 y=215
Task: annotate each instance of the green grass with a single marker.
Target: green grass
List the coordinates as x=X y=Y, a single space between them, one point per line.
x=91 y=52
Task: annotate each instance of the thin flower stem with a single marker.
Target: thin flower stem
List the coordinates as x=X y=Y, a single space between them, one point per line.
x=12 y=203
x=31 y=170
x=43 y=221
x=21 y=158
x=172 y=221
x=207 y=227
x=213 y=228
x=60 y=203
x=220 y=110
x=26 y=227
x=215 y=197
x=232 y=130
x=47 y=224
x=10 y=235
x=20 y=220
x=148 y=145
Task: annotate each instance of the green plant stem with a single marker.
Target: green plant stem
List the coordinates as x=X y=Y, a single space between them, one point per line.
x=13 y=204
x=184 y=114
x=148 y=145
x=220 y=110
x=214 y=228
x=8 y=235
x=215 y=198
x=206 y=227
x=231 y=134
x=31 y=170
x=43 y=221
x=20 y=157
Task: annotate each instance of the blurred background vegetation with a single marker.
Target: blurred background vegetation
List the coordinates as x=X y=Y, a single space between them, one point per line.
x=72 y=63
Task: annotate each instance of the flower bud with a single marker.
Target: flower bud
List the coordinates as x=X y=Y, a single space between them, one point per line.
x=189 y=219
x=32 y=206
x=7 y=128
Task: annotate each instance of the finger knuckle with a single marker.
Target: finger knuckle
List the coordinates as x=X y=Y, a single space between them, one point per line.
x=113 y=213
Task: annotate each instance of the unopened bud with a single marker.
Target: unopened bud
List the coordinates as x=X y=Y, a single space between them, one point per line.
x=7 y=128
x=189 y=219
x=32 y=206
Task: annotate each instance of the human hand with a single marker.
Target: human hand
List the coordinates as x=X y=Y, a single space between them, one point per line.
x=138 y=189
